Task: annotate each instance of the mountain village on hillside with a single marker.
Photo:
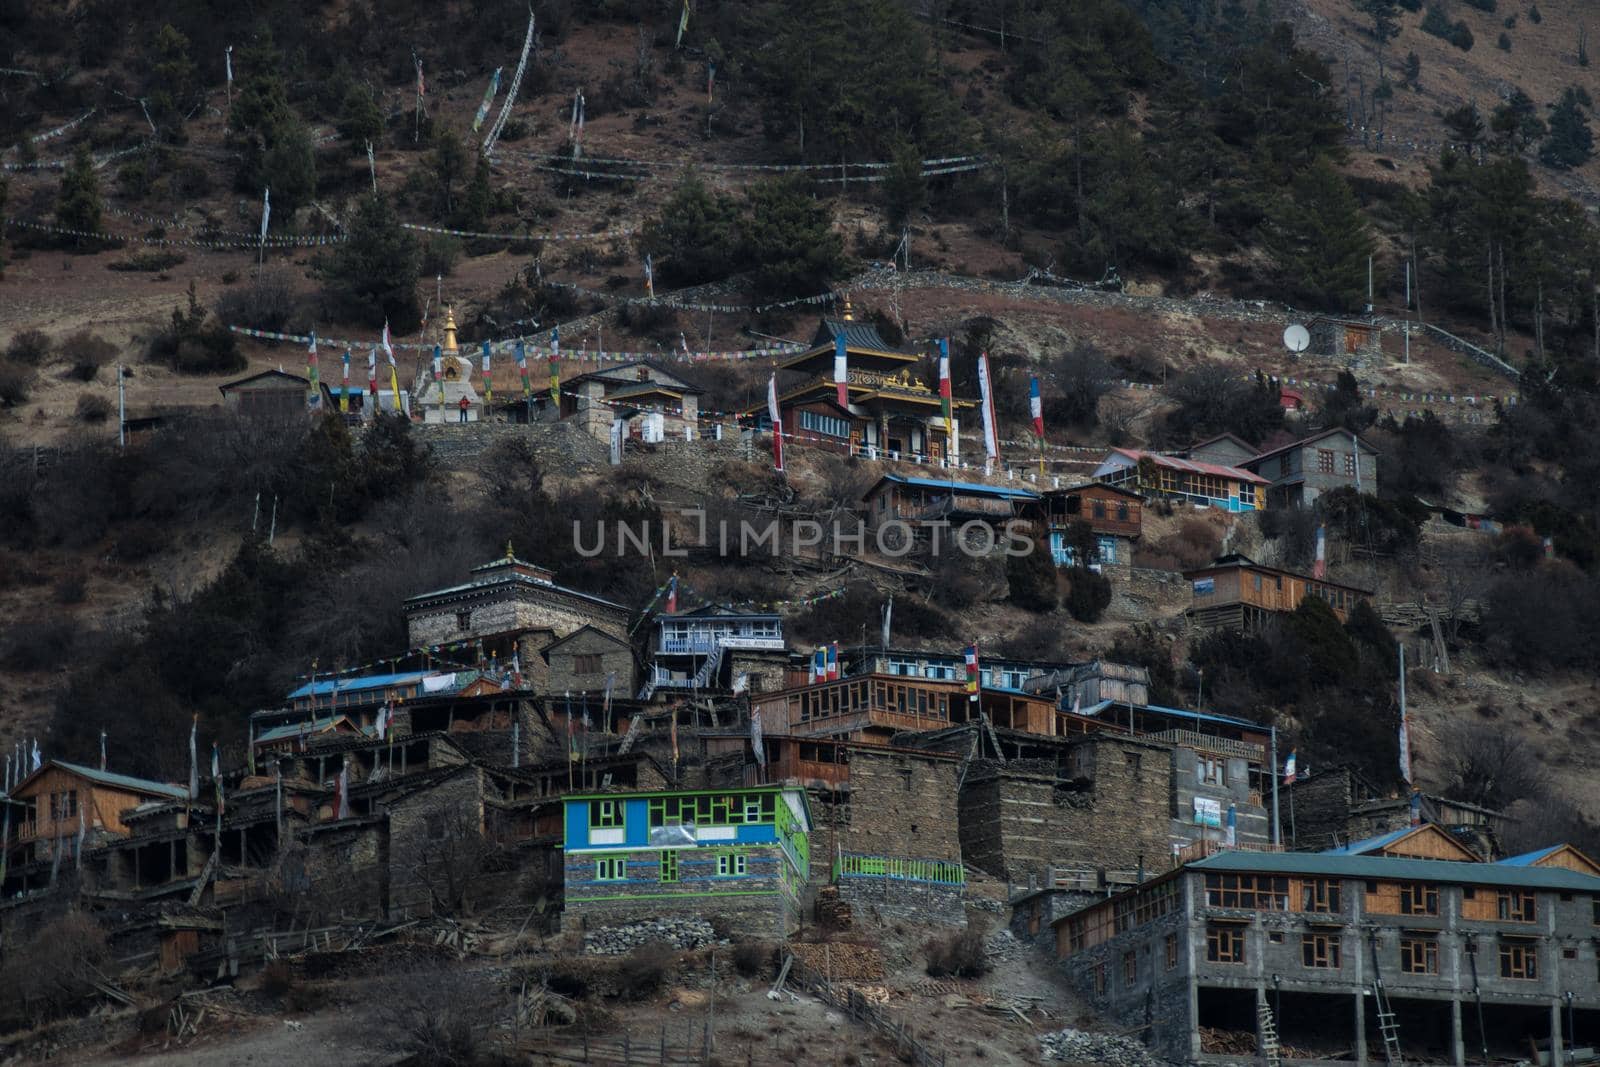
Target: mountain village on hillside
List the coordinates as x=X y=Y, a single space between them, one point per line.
x=690 y=773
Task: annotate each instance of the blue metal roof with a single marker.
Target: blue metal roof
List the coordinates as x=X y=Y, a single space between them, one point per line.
x=977 y=488
x=1528 y=859
x=1395 y=867
x=359 y=683
x=1371 y=844
x=1182 y=713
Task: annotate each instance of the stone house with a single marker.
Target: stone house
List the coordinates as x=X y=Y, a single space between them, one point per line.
x=1351 y=340
x=510 y=608
x=1301 y=471
x=739 y=855
x=653 y=402
x=586 y=660
x=1365 y=957
x=1334 y=806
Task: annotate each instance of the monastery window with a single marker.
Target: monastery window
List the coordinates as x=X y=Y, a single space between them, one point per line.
x=1419 y=955
x=730 y=864
x=586 y=663
x=605 y=814
x=667 y=871
x=610 y=869
x=1519 y=959
x=1172 y=951
x=463 y=620
x=1224 y=943
x=1324 y=461
x=1130 y=969
x=830 y=425
x=1319 y=895
x=1419 y=898
x=1515 y=905
x=1320 y=950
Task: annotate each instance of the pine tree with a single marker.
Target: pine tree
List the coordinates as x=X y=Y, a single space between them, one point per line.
x=477 y=204
x=374 y=273
x=78 y=203
x=905 y=190
x=1321 y=238
x=1413 y=71
x=789 y=239
x=695 y=237
x=289 y=168
x=171 y=83
x=360 y=122
x=1571 y=142
x=1385 y=16
x=443 y=170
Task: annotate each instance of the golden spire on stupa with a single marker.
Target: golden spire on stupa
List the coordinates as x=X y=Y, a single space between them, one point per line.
x=449 y=345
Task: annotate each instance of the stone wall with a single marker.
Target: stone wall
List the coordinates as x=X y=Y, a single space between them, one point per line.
x=345 y=867
x=564 y=677
x=757 y=904
x=1145 y=593
x=510 y=608
x=1315 y=811
x=891 y=899
x=1157 y=994
x=1004 y=819
x=436 y=844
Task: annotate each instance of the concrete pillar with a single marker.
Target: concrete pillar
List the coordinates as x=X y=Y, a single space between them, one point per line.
x=1558 y=1051
x=1361 y=1026
x=1458 y=1048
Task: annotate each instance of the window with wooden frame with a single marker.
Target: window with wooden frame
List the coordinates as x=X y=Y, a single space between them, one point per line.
x=606 y=814
x=1350 y=464
x=1247 y=493
x=1097 y=508
x=1419 y=898
x=463 y=620
x=1122 y=511
x=1224 y=943
x=1172 y=951
x=1319 y=950
x=1419 y=955
x=1130 y=969
x=1100 y=979
x=1520 y=960
x=1319 y=895
x=1260 y=892
x=610 y=870
x=1325 y=461
x=586 y=663
x=1208 y=770
x=1515 y=906
x=668 y=869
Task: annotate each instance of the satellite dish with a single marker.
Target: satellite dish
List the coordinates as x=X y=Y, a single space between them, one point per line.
x=1296 y=338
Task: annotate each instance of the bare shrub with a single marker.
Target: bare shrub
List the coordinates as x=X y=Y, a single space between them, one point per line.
x=958 y=955
x=85 y=353
x=1486 y=764
x=30 y=347
x=16 y=382
x=643 y=972
x=1195 y=544
x=50 y=974
x=751 y=958
x=438 y=1018
x=93 y=408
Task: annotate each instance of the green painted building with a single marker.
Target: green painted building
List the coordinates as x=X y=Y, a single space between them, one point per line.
x=738 y=854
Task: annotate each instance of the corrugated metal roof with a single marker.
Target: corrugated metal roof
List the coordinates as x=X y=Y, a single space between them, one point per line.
x=359 y=683
x=1370 y=844
x=1334 y=432
x=975 y=488
x=1528 y=859
x=293 y=729
x=123 y=781
x=1182 y=713
x=1192 y=466
x=1394 y=867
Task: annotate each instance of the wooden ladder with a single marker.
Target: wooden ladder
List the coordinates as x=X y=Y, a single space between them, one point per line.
x=1267 y=1027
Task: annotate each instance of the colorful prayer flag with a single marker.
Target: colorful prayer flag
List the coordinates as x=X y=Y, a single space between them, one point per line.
x=372 y=378
x=555 y=367
x=944 y=392
x=1036 y=406
x=488 y=373
x=266 y=211
x=194 y=759
x=991 y=437
x=488 y=98
x=970 y=653
x=344 y=392
x=756 y=745
x=522 y=370
x=394 y=377
x=313 y=389
x=683 y=24
x=649 y=275
x=1289 y=768
x=1319 y=569
x=777 y=423
x=438 y=370
x=841 y=371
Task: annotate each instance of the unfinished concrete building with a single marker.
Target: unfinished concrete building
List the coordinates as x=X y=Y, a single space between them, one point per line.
x=1345 y=957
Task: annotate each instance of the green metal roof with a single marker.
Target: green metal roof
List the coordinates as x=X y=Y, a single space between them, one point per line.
x=1395 y=867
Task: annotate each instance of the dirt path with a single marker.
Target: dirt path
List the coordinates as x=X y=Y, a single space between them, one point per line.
x=331 y=1037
